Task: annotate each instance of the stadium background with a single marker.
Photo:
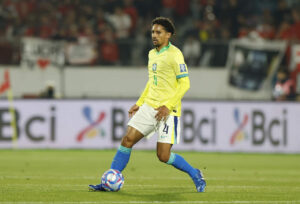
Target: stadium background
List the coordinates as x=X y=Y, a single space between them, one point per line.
x=71 y=69
x=106 y=36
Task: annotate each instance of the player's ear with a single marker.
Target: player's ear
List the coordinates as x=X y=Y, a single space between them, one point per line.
x=169 y=35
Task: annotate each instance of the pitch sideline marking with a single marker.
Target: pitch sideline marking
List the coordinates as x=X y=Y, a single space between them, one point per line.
x=147 y=185
x=142 y=178
x=157 y=202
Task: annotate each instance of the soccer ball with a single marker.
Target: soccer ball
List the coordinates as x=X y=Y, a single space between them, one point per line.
x=112 y=180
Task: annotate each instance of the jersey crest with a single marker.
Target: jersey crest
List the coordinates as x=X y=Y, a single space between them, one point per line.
x=154 y=67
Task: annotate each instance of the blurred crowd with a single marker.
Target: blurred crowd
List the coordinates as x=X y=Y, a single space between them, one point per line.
x=120 y=29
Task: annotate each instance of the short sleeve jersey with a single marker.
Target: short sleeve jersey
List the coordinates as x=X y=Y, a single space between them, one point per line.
x=165 y=68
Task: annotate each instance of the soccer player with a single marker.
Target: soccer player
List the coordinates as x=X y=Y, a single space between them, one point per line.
x=159 y=107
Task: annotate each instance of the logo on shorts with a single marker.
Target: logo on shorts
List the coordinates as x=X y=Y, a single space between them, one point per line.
x=154 y=67
x=182 y=68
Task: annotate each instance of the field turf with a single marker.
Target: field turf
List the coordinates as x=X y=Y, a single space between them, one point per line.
x=62 y=176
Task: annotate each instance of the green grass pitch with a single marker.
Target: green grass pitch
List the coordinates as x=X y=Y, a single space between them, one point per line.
x=62 y=176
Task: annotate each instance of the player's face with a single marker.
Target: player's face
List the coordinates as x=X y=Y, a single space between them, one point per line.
x=160 y=37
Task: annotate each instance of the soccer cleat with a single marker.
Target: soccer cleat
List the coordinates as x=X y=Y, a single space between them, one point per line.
x=96 y=187
x=199 y=181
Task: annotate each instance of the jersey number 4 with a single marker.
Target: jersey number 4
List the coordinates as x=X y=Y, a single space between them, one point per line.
x=166 y=129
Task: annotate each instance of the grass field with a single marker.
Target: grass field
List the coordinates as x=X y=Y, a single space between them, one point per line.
x=62 y=176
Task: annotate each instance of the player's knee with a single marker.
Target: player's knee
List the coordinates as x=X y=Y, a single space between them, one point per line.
x=163 y=157
x=127 y=142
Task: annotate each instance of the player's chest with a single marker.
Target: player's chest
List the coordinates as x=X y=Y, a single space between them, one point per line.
x=159 y=65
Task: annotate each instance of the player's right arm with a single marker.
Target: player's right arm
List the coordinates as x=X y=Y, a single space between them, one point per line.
x=143 y=95
x=133 y=110
x=139 y=102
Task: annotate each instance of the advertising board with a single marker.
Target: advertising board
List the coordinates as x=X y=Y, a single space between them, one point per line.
x=205 y=126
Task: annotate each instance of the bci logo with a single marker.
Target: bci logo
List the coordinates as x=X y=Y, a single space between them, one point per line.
x=202 y=129
x=261 y=130
x=27 y=125
x=94 y=127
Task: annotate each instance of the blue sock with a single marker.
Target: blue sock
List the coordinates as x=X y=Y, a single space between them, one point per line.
x=179 y=163
x=121 y=158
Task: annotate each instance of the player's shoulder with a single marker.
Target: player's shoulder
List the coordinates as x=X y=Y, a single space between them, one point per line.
x=175 y=50
x=151 y=52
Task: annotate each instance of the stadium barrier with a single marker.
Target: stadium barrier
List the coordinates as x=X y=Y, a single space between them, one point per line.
x=205 y=126
x=123 y=82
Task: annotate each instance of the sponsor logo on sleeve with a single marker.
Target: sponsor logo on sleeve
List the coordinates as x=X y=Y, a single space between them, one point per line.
x=182 y=67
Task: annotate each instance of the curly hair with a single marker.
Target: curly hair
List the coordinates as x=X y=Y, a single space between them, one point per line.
x=166 y=23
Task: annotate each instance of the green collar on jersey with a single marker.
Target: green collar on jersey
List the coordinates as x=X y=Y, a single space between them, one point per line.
x=164 y=48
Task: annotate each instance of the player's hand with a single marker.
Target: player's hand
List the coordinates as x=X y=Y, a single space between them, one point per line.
x=162 y=114
x=133 y=110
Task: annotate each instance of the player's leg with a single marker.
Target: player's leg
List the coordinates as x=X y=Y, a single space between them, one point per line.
x=165 y=155
x=168 y=135
x=139 y=125
x=163 y=151
x=123 y=154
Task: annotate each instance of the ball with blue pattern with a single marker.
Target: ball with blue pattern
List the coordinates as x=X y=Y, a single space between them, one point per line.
x=112 y=180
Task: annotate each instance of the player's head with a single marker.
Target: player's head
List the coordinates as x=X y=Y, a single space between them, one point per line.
x=162 y=31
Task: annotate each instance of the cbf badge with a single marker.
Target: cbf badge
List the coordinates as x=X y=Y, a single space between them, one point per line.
x=182 y=67
x=154 y=67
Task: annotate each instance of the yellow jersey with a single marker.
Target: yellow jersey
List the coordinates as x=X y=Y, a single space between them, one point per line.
x=168 y=79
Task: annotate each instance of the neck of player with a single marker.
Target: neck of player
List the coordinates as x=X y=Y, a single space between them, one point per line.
x=162 y=45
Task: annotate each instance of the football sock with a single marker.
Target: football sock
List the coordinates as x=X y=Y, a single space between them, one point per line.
x=121 y=158
x=179 y=163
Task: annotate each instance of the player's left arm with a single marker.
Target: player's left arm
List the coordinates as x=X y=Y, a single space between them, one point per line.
x=183 y=81
x=164 y=110
x=183 y=86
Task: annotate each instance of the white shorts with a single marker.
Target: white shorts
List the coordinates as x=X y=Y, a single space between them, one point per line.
x=144 y=121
